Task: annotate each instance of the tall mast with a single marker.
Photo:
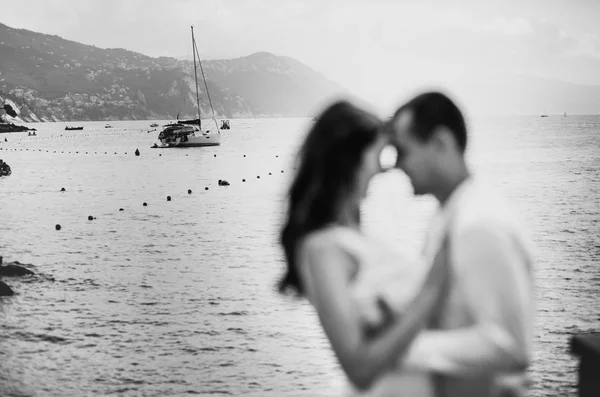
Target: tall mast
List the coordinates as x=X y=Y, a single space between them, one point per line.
x=205 y=85
x=196 y=79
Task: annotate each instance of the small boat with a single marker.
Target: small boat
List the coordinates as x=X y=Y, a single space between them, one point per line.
x=154 y=125
x=225 y=125
x=67 y=128
x=189 y=133
x=108 y=126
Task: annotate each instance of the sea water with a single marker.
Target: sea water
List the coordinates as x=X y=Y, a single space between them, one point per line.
x=177 y=297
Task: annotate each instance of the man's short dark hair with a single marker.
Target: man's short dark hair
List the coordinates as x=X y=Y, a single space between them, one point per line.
x=434 y=109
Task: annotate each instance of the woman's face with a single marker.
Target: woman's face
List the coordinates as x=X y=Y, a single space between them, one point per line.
x=370 y=164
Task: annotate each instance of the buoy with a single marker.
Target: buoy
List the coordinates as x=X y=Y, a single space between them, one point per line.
x=90 y=218
x=137 y=152
x=145 y=204
x=257 y=176
x=57 y=227
x=62 y=189
x=121 y=209
x=206 y=188
x=168 y=198
x=189 y=191
x=243 y=180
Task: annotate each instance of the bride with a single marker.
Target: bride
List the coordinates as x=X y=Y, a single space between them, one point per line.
x=370 y=301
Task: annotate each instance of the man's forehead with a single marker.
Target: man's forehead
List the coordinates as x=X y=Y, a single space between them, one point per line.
x=401 y=124
x=403 y=121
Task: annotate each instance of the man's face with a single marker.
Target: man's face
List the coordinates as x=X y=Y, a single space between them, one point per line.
x=416 y=158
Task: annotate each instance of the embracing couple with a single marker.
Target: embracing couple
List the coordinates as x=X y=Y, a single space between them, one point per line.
x=456 y=323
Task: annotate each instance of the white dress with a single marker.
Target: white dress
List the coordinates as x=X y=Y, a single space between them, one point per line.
x=384 y=273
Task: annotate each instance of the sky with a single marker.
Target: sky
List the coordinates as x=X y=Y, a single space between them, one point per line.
x=382 y=51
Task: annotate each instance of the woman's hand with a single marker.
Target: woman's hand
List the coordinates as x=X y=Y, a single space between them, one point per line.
x=376 y=314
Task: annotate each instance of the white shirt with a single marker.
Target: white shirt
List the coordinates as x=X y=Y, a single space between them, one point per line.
x=486 y=324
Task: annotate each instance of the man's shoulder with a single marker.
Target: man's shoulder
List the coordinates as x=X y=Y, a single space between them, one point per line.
x=488 y=212
x=485 y=206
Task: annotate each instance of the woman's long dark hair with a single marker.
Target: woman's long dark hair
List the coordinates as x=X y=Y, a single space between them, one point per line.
x=327 y=165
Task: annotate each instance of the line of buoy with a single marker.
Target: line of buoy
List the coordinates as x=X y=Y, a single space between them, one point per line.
x=137 y=153
x=29 y=138
x=221 y=182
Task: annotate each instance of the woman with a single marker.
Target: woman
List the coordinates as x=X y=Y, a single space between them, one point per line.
x=329 y=259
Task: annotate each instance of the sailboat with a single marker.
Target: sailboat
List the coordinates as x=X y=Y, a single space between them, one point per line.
x=565 y=115
x=189 y=133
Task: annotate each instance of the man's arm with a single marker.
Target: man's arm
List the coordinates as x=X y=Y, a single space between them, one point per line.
x=495 y=282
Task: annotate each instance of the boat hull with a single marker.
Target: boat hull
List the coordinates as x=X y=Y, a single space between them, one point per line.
x=185 y=144
x=179 y=136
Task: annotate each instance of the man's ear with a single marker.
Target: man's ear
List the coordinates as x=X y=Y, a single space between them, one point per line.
x=442 y=139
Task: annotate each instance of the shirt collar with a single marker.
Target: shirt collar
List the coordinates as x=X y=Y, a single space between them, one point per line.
x=453 y=202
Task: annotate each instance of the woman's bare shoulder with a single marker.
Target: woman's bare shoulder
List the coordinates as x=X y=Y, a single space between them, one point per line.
x=332 y=238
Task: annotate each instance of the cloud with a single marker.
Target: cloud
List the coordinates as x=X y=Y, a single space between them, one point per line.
x=509 y=26
x=586 y=46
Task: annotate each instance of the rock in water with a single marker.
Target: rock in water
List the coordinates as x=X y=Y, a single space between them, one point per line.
x=5 y=290
x=13 y=269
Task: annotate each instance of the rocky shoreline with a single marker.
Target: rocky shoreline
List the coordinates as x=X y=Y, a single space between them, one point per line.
x=10 y=127
x=11 y=269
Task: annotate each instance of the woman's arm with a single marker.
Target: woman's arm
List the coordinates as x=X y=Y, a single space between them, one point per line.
x=326 y=271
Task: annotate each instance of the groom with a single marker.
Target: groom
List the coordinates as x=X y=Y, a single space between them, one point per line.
x=481 y=344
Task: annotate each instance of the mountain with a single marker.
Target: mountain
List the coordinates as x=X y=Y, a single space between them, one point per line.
x=48 y=78
x=509 y=93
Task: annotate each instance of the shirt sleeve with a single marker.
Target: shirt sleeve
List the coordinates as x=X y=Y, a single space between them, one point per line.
x=494 y=280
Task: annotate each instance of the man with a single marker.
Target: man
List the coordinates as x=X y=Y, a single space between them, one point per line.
x=481 y=343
